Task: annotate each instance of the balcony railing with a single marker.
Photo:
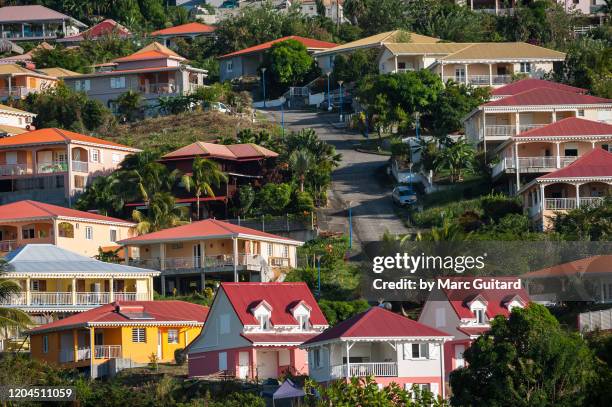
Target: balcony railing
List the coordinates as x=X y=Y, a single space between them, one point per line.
x=158 y=88
x=51 y=167
x=9 y=245
x=100 y=352
x=80 y=166
x=379 y=369
x=507 y=130
x=16 y=92
x=564 y=204
x=207 y=262
x=13 y=169
x=52 y=299
x=532 y=163
x=484 y=80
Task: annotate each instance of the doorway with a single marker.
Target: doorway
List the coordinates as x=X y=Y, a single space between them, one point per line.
x=243 y=365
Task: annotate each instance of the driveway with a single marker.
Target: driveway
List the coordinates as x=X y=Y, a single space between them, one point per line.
x=354 y=181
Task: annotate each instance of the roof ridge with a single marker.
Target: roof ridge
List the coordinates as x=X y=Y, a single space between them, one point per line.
x=360 y=318
x=222 y=225
x=61 y=134
x=36 y=204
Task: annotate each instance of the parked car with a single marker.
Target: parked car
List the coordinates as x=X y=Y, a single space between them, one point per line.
x=404 y=195
x=220 y=107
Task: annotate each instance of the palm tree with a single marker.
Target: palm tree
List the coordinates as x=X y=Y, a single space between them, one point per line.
x=206 y=174
x=455 y=157
x=162 y=213
x=10 y=318
x=447 y=232
x=300 y=162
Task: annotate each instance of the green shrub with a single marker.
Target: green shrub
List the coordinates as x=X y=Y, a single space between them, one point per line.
x=180 y=356
x=496 y=206
x=303 y=202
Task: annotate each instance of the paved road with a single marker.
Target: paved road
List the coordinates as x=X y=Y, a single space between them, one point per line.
x=355 y=181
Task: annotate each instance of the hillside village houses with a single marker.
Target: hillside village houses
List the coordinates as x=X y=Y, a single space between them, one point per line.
x=54 y=165
x=122 y=334
x=379 y=343
x=477 y=64
x=17 y=82
x=14 y=121
x=188 y=31
x=224 y=251
x=154 y=71
x=465 y=314
x=103 y=28
x=254 y=330
x=35 y=23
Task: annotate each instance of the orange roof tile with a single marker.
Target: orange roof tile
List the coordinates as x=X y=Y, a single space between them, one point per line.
x=230 y=152
x=189 y=28
x=308 y=43
x=54 y=135
x=21 y=210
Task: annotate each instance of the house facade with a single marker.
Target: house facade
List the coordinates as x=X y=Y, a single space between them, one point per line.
x=36 y=23
x=242 y=163
x=496 y=121
x=14 y=121
x=465 y=313
x=382 y=344
x=18 y=82
x=188 y=31
x=27 y=222
x=586 y=182
x=333 y=9
x=103 y=29
x=543 y=150
x=54 y=165
x=246 y=62
x=154 y=71
x=186 y=254
x=118 y=335
x=253 y=331
x=497 y=7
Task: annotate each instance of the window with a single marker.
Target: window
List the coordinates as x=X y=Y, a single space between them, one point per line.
x=525 y=67
x=571 y=150
x=95 y=155
x=79 y=181
x=416 y=351
x=59 y=181
x=480 y=316
x=88 y=233
x=264 y=322
x=116 y=158
x=45 y=344
x=82 y=85
x=316 y=357
x=117 y=82
x=580 y=113
x=303 y=321
x=222 y=360
x=35 y=285
x=113 y=235
x=65 y=229
x=230 y=66
x=270 y=250
x=173 y=336
x=285 y=251
x=460 y=74
x=139 y=335
x=224 y=324
x=28 y=232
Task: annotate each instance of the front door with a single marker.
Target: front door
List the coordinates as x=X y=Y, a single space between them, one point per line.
x=197 y=255
x=243 y=365
x=459 y=361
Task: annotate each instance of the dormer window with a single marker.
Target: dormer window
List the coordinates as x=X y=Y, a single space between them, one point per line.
x=480 y=316
x=301 y=313
x=262 y=311
x=303 y=321
x=264 y=322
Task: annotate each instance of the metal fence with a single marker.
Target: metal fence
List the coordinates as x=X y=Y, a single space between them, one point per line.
x=286 y=223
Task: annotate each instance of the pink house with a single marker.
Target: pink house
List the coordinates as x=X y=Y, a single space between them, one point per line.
x=466 y=313
x=253 y=331
x=379 y=343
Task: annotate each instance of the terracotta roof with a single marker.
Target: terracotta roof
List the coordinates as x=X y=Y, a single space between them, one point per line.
x=532 y=83
x=58 y=72
x=547 y=96
x=281 y=297
x=157 y=311
x=277 y=338
x=23 y=210
x=589 y=265
x=377 y=322
x=571 y=126
x=189 y=28
x=208 y=228
x=105 y=27
x=459 y=298
x=230 y=152
x=309 y=43
x=380 y=39
x=504 y=51
x=20 y=14
x=595 y=163
x=53 y=135
x=155 y=50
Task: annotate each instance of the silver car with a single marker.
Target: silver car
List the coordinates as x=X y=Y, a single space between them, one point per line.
x=403 y=195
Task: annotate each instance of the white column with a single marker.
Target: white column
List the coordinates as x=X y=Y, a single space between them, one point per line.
x=554 y=116
x=28 y=292
x=92 y=349
x=442 y=373
x=111 y=291
x=162 y=257
x=395 y=63
x=542 y=199
x=348 y=361
x=74 y=295
x=472 y=4
x=558 y=154
x=517 y=123
x=577 y=195
x=235 y=251
x=490 y=74
x=441 y=72
x=484 y=133
x=516 y=167
x=593 y=144
x=465 y=66
x=496 y=7
x=69 y=162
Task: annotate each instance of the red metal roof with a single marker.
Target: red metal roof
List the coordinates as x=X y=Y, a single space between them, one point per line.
x=158 y=311
x=282 y=297
x=589 y=265
x=208 y=228
x=595 y=163
x=377 y=322
x=571 y=126
x=474 y=331
x=32 y=209
x=277 y=338
x=53 y=135
x=189 y=28
x=228 y=152
x=531 y=83
x=105 y=27
x=495 y=298
x=547 y=96
x=309 y=43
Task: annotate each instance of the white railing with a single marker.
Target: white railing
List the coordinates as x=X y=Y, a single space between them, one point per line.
x=532 y=163
x=99 y=298
x=80 y=166
x=17 y=92
x=590 y=202
x=560 y=203
x=596 y=320
x=13 y=169
x=525 y=127
x=484 y=80
x=50 y=298
x=14 y=299
x=197 y=262
x=159 y=88
x=279 y=261
x=299 y=91
x=498 y=11
x=404 y=70
x=107 y=351
x=50 y=167
x=83 y=354
x=500 y=130
x=8 y=245
x=379 y=369
x=131 y=296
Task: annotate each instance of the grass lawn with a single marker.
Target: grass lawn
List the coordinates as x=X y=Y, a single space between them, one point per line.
x=174 y=131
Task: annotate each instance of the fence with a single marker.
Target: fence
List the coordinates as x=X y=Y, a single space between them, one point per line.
x=287 y=223
x=595 y=320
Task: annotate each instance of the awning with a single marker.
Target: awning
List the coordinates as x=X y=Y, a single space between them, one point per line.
x=288 y=390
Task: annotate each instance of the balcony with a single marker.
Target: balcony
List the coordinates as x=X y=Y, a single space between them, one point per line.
x=51 y=167
x=377 y=369
x=508 y=130
x=565 y=204
x=158 y=88
x=80 y=166
x=39 y=299
x=84 y=353
x=209 y=263
x=13 y=169
x=17 y=92
x=532 y=164
x=484 y=80
x=9 y=245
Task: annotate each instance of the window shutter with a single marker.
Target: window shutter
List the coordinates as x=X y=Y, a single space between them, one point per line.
x=435 y=389
x=407 y=351
x=434 y=351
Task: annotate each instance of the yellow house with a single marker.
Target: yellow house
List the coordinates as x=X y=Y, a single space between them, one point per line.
x=119 y=335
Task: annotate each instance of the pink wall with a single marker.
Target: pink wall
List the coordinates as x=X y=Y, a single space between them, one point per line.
x=449 y=354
